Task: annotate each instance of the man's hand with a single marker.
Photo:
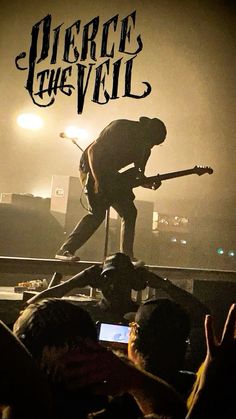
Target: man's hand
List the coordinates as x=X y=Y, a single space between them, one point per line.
x=220 y=360
x=93 y=366
x=156 y=185
x=153 y=185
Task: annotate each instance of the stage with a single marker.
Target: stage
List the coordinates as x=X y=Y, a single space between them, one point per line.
x=36 y=266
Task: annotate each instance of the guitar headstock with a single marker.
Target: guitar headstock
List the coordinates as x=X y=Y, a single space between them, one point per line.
x=201 y=170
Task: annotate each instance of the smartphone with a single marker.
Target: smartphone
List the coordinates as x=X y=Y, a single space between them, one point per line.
x=110 y=332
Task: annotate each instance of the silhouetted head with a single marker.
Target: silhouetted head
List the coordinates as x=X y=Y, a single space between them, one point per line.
x=53 y=322
x=158 y=336
x=155 y=130
x=119 y=278
x=20 y=376
x=50 y=329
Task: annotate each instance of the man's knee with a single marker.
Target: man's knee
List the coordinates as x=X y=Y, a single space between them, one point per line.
x=130 y=214
x=98 y=216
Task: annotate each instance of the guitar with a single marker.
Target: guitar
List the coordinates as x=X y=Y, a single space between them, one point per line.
x=151 y=180
x=128 y=180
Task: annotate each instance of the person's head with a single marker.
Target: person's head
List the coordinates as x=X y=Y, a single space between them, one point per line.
x=22 y=385
x=119 y=278
x=154 y=129
x=49 y=329
x=158 y=337
x=53 y=322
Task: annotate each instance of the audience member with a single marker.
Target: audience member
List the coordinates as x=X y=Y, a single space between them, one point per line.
x=55 y=349
x=158 y=342
x=115 y=278
x=24 y=392
x=63 y=339
x=196 y=311
x=48 y=329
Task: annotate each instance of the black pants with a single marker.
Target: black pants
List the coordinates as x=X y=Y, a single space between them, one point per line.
x=126 y=209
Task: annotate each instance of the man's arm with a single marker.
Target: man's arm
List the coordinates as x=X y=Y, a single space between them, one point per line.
x=106 y=373
x=140 y=164
x=88 y=277
x=195 y=308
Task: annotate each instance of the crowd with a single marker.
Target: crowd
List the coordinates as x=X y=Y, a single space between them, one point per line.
x=53 y=365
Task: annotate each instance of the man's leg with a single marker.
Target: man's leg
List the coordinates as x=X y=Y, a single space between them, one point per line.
x=82 y=232
x=128 y=213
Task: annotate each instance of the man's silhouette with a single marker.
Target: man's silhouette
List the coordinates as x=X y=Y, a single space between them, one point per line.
x=120 y=144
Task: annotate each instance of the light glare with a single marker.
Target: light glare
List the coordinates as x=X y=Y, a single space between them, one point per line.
x=76 y=133
x=29 y=121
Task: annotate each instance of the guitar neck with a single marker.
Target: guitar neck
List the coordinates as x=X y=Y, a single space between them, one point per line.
x=172 y=175
x=166 y=176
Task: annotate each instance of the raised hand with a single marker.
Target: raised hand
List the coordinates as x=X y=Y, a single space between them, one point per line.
x=221 y=354
x=214 y=391
x=95 y=367
x=91 y=365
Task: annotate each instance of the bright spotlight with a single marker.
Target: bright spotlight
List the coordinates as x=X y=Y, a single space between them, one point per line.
x=75 y=132
x=29 y=121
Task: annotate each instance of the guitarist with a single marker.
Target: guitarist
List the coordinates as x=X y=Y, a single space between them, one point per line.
x=120 y=144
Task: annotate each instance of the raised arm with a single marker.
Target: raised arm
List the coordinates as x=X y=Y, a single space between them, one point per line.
x=213 y=395
x=96 y=368
x=195 y=308
x=88 y=277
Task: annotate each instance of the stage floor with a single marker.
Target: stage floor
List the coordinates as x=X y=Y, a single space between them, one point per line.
x=20 y=265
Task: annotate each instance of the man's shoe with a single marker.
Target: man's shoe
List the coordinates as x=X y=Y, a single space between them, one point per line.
x=67 y=256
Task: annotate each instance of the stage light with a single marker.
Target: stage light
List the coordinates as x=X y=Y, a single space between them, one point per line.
x=183 y=241
x=75 y=132
x=173 y=239
x=231 y=253
x=220 y=251
x=29 y=121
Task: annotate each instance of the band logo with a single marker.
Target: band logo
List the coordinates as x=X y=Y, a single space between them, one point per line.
x=95 y=57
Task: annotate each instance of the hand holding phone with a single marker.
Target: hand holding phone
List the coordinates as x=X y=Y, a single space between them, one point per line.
x=114 y=335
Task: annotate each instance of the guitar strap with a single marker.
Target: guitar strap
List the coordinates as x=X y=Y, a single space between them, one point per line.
x=84 y=164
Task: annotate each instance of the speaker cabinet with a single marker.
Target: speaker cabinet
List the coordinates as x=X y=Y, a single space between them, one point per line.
x=66 y=196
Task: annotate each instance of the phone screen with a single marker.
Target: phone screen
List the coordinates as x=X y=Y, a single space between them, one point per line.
x=114 y=333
